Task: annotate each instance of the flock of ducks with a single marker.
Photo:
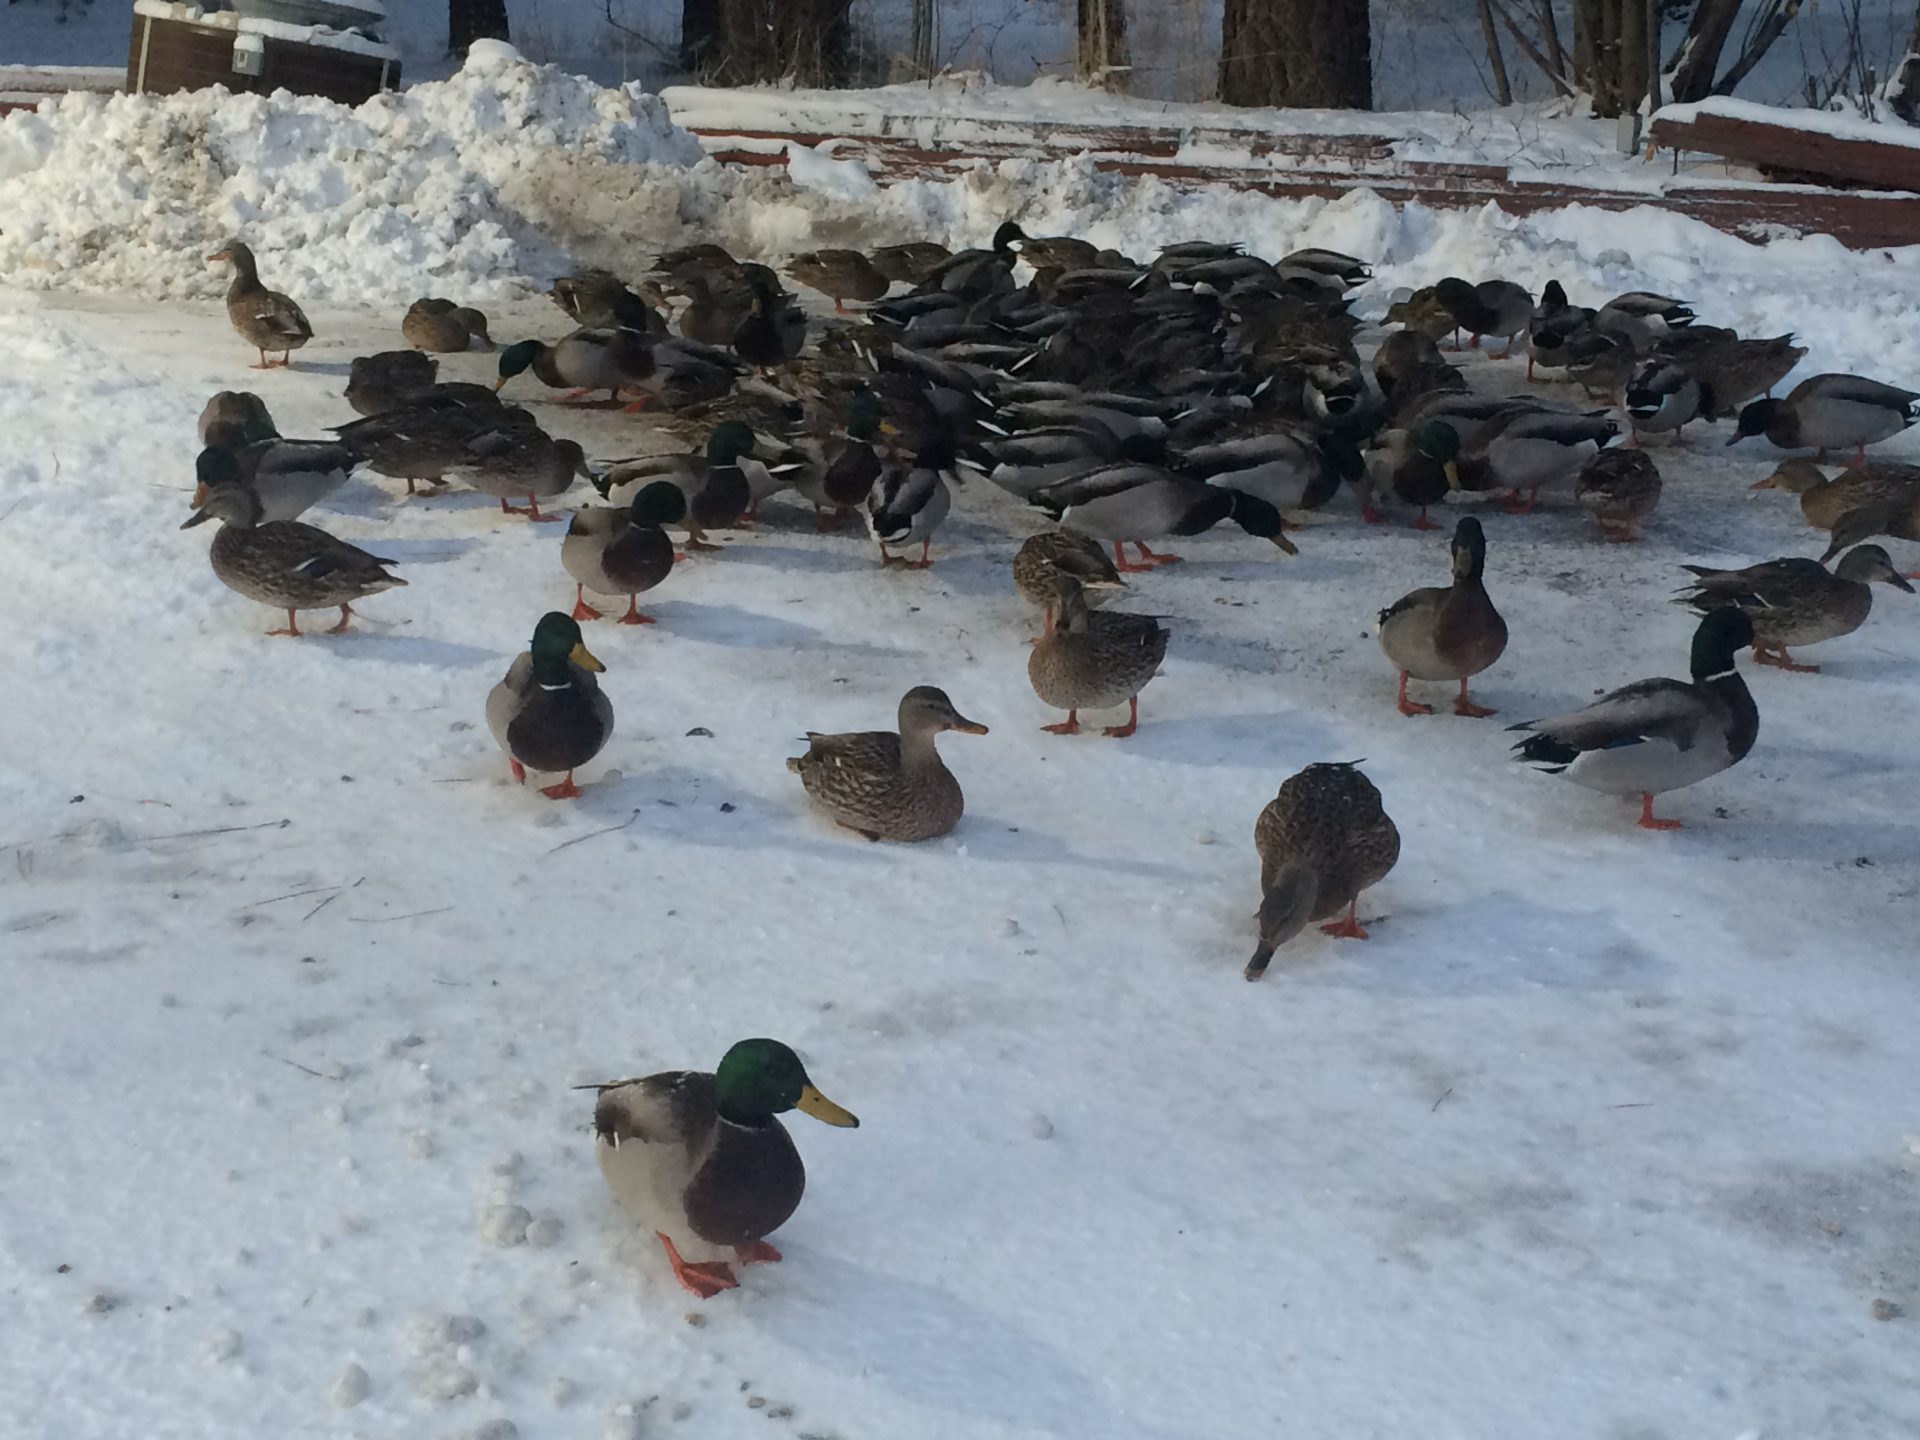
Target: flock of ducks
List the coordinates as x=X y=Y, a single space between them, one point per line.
x=1133 y=404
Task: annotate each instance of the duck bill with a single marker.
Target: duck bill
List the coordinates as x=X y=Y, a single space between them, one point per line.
x=500 y=384
x=219 y=255
x=812 y=1102
x=1899 y=582
x=200 y=493
x=1285 y=544
x=585 y=658
x=968 y=727
x=1453 y=475
x=199 y=517
x=1767 y=484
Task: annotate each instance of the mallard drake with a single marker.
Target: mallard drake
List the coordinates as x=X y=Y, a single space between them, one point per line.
x=1796 y=602
x=845 y=479
x=549 y=713
x=1664 y=397
x=908 y=503
x=1052 y=553
x=1823 y=501
x=390 y=380
x=773 y=332
x=289 y=477
x=1619 y=488
x=1642 y=317
x=975 y=275
x=1551 y=331
x=1830 y=412
x=1418 y=465
x=1447 y=634
x=1347 y=269
x=701 y=1160
x=1030 y=460
x=1497 y=308
x=585 y=361
x=527 y=461
x=1291 y=469
x=435 y=325
x=1657 y=735
x=598 y=300
x=887 y=785
x=1423 y=311
x=1529 y=450
x=286 y=564
x=611 y=551
x=911 y=263
x=840 y=275
x=1123 y=502
x=716 y=488
x=1093 y=662
x=1322 y=840
x=266 y=319
x=235 y=417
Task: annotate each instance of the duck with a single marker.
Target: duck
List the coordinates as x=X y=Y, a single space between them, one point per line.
x=1322 y=840
x=908 y=503
x=1620 y=489
x=1496 y=308
x=1551 y=331
x=525 y=461
x=1823 y=501
x=1420 y=467
x=1641 y=317
x=910 y=263
x=1531 y=449
x=600 y=300
x=1133 y=502
x=889 y=785
x=716 y=488
x=975 y=275
x=1830 y=412
x=584 y=361
x=1796 y=601
x=284 y=563
x=1400 y=355
x=612 y=551
x=1663 y=398
x=1051 y=252
x=1600 y=363
x=1291 y=469
x=1349 y=270
x=840 y=275
x=1735 y=371
x=549 y=713
x=1447 y=634
x=389 y=380
x=847 y=473
x=773 y=332
x=1654 y=736
x=1423 y=311
x=1898 y=518
x=433 y=434
x=265 y=319
x=235 y=417
x=1051 y=553
x=1093 y=662
x=436 y=326
x=289 y=477
x=702 y=1160
x=1029 y=460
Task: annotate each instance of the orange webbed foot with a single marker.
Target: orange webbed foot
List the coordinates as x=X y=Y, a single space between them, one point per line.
x=759 y=1253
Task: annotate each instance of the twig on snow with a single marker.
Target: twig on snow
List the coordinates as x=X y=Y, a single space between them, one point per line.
x=1443 y=1095
x=591 y=834
x=304 y=1069
x=389 y=919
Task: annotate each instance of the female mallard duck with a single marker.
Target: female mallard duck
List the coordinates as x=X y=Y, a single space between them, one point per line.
x=840 y=275
x=1736 y=371
x=286 y=564
x=1830 y=412
x=1897 y=518
x=1796 y=602
x=1529 y=450
x=1051 y=252
x=1450 y=634
x=1619 y=488
x=529 y=462
x=288 y=477
x=1551 y=331
x=716 y=488
x=266 y=319
x=1093 y=662
x=549 y=713
x=1600 y=363
x=1123 y=502
x=1423 y=311
x=701 y=1160
x=391 y=380
x=622 y=552
x=1418 y=465
x=1322 y=840
x=435 y=325
x=1400 y=354
x=1043 y=558
x=1496 y=308
x=907 y=503
x=889 y=786
x=1823 y=501
x=1657 y=735
x=599 y=300
x=235 y=417
x=910 y=263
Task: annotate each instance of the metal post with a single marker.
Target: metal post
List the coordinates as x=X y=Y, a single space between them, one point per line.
x=146 y=39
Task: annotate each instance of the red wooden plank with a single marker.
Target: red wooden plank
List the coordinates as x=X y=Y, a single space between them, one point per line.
x=1776 y=148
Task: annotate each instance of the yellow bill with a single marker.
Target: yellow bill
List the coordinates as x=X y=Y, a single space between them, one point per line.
x=812 y=1102
x=585 y=658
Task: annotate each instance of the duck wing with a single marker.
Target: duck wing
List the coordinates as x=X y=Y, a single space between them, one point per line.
x=675 y=1107
x=1669 y=711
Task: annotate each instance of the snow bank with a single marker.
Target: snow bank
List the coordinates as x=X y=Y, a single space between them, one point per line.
x=405 y=193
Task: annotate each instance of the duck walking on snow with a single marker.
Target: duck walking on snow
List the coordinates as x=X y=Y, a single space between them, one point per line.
x=907 y=503
x=549 y=713
x=1447 y=634
x=1830 y=412
x=286 y=564
x=702 y=1160
x=1796 y=601
x=266 y=319
x=612 y=551
x=1322 y=840
x=1093 y=662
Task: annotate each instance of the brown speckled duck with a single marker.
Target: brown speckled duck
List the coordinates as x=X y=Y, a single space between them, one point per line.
x=887 y=785
x=1796 y=601
x=266 y=319
x=1043 y=558
x=840 y=275
x=1093 y=662
x=1619 y=488
x=1823 y=501
x=284 y=563
x=1322 y=840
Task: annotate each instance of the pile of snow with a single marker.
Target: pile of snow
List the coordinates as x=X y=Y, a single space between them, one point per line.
x=407 y=192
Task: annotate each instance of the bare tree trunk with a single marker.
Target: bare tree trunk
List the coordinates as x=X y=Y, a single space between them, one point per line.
x=1633 y=53
x=1550 y=32
x=699 y=33
x=923 y=43
x=763 y=41
x=1311 y=53
x=1903 y=91
x=1699 y=58
x=1502 y=91
x=471 y=20
x=1101 y=56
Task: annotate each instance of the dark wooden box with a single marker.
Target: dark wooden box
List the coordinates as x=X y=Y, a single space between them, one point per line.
x=168 y=55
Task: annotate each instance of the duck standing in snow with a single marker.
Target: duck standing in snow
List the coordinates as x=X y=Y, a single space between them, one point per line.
x=1796 y=601
x=549 y=713
x=1830 y=412
x=288 y=477
x=1620 y=489
x=1824 y=501
x=390 y=380
x=1498 y=309
x=908 y=503
x=1447 y=634
x=889 y=785
x=1093 y=662
x=266 y=319
x=611 y=551
x=1322 y=840
x=1130 y=502
x=1657 y=735
x=840 y=275
x=235 y=417
x=1042 y=558
x=702 y=1159
x=284 y=563
x=527 y=461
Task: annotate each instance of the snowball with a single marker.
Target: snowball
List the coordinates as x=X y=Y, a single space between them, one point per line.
x=351 y=1388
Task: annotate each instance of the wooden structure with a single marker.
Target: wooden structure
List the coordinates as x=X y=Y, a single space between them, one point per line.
x=169 y=52
x=24 y=86
x=1790 y=151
